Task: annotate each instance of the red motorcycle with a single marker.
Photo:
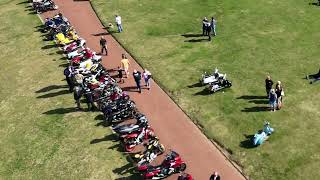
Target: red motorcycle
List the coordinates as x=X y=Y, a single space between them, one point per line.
x=133 y=139
x=172 y=164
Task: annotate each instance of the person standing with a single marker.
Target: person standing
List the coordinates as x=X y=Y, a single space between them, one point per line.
x=269 y=84
x=69 y=73
x=119 y=23
x=273 y=100
x=204 y=23
x=280 y=93
x=103 y=45
x=213 y=26
x=147 y=78
x=89 y=99
x=77 y=93
x=125 y=64
x=120 y=75
x=208 y=29
x=137 y=78
x=215 y=176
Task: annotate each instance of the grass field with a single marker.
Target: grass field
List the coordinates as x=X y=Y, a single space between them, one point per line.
x=255 y=39
x=42 y=137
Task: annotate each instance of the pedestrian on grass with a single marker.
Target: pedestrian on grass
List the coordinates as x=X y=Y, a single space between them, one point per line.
x=147 y=78
x=69 y=73
x=215 y=176
x=137 y=78
x=269 y=84
x=120 y=74
x=204 y=23
x=103 y=45
x=89 y=99
x=77 y=93
x=208 y=31
x=280 y=93
x=125 y=64
x=213 y=26
x=119 y=23
x=273 y=100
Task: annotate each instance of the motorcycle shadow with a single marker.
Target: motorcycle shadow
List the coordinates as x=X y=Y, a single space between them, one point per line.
x=248 y=142
x=198 y=84
x=204 y=92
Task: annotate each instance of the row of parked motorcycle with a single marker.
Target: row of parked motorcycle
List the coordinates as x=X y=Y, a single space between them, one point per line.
x=90 y=79
x=41 y=6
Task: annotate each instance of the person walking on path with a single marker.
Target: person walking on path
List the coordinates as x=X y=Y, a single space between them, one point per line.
x=204 y=23
x=103 y=45
x=269 y=84
x=137 y=78
x=213 y=26
x=69 y=73
x=280 y=93
x=147 y=78
x=273 y=100
x=120 y=75
x=125 y=64
x=215 y=176
x=119 y=23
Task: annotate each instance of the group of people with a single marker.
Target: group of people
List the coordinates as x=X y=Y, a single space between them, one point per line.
x=137 y=75
x=275 y=95
x=209 y=27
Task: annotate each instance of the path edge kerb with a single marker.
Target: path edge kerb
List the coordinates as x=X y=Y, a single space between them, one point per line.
x=195 y=121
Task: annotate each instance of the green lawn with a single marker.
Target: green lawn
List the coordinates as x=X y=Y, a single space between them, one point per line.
x=41 y=135
x=255 y=38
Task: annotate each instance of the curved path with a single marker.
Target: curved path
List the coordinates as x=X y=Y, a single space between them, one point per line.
x=175 y=130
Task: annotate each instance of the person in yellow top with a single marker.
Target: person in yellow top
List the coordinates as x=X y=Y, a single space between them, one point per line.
x=125 y=64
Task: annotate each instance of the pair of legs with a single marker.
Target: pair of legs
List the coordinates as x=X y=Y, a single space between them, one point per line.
x=70 y=83
x=103 y=48
x=147 y=81
x=273 y=105
x=138 y=83
x=214 y=30
x=119 y=28
x=126 y=70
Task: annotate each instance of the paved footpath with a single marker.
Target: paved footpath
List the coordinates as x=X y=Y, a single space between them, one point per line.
x=175 y=130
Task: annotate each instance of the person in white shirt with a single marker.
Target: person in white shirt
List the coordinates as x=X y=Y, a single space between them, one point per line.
x=119 y=24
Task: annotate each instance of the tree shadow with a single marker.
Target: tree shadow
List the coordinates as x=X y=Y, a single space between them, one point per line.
x=252 y=97
x=191 y=35
x=198 y=84
x=196 y=40
x=256 y=109
x=315 y=4
x=60 y=111
x=51 y=87
x=247 y=143
x=54 y=94
x=101 y=34
x=110 y=137
x=204 y=92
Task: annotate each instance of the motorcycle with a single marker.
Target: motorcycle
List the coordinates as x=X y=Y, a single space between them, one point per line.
x=172 y=164
x=262 y=135
x=119 y=112
x=211 y=78
x=80 y=43
x=219 y=85
x=142 y=121
x=135 y=138
x=152 y=149
x=41 y=6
